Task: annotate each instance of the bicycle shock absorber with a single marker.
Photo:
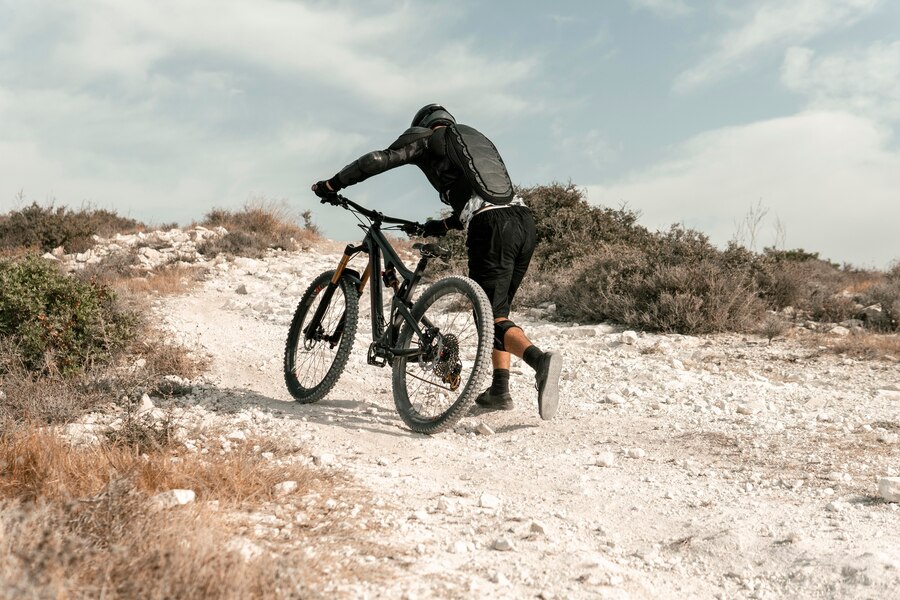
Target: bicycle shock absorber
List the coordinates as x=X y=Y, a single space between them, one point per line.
x=389 y=277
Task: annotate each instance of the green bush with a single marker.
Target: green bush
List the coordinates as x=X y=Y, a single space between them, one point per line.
x=46 y=227
x=56 y=322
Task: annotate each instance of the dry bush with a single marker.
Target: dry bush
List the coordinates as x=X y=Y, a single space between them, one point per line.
x=260 y=226
x=46 y=227
x=861 y=344
x=885 y=294
x=772 y=326
x=76 y=522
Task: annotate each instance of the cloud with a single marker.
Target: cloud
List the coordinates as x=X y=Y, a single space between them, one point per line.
x=830 y=177
x=336 y=48
x=167 y=108
x=770 y=25
x=865 y=81
x=665 y=9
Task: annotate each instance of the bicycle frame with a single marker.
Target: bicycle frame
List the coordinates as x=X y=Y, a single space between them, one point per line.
x=387 y=265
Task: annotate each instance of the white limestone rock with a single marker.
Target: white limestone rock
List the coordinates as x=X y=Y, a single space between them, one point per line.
x=173 y=499
x=489 y=501
x=889 y=489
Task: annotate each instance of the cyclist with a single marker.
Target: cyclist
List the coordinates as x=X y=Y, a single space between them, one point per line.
x=500 y=233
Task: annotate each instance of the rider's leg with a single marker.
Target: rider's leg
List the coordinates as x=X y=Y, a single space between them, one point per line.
x=547 y=367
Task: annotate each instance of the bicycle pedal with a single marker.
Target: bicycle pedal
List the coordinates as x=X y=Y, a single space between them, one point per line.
x=374 y=358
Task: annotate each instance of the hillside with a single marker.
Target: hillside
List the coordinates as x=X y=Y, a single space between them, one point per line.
x=679 y=466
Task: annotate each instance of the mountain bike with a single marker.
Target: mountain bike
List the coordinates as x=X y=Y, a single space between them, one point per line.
x=439 y=346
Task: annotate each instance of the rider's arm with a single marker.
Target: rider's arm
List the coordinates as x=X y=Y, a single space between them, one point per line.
x=408 y=148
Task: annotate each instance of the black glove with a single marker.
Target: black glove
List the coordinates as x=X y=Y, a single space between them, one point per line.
x=428 y=229
x=437 y=228
x=320 y=188
x=413 y=229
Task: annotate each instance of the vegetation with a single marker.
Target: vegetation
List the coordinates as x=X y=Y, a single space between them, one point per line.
x=45 y=227
x=260 y=226
x=598 y=264
x=58 y=323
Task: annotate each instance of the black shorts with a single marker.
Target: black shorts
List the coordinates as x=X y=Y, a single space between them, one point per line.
x=501 y=242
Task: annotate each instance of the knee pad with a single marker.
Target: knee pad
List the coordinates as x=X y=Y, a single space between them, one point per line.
x=500 y=330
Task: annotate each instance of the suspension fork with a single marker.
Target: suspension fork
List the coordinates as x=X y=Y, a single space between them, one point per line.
x=316 y=320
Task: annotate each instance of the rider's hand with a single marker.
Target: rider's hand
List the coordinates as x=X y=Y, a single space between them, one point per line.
x=323 y=190
x=436 y=228
x=413 y=229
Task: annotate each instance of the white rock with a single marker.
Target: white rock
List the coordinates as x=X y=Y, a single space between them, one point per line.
x=839 y=330
x=629 y=337
x=502 y=544
x=886 y=437
x=324 y=459
x=635 y=453
x=889 y=488
x=605 y=459
x=488 y=501
x=237 y=436
x=614 y=398
x=285 y=487
x=459 y=547
x=484 y=429
x=500 y=579
x=247 y=549
x=446 y=505
x=146 y=404
x=173 y=498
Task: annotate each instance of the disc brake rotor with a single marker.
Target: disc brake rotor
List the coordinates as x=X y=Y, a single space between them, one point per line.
x=448 y=366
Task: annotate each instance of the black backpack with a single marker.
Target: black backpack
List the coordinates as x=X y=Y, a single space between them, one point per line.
x=479 y=160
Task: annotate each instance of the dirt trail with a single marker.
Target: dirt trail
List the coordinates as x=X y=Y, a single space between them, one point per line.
x=677 y=467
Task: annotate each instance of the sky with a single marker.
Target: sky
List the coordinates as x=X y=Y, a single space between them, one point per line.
x=698 y=113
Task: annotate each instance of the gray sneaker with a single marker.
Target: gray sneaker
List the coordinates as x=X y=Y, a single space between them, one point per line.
x=488 y=401
x=546 y=379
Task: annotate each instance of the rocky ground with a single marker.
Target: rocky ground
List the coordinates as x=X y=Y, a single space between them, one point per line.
x=677 y=467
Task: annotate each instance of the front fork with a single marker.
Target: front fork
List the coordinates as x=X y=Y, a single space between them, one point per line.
x=310 y=333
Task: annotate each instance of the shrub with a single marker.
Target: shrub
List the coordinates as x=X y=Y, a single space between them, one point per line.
x=46 y=227
x=887 y=295
x=626 y=286
x=260 y=226
x=597 y=263
x=56 y=322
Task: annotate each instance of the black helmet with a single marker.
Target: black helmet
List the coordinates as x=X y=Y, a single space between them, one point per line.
x=431 y=115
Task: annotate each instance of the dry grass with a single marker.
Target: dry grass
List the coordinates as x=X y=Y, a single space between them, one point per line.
x=260 y=226
x=78 y=522
x=164 y=281
x=860 y=344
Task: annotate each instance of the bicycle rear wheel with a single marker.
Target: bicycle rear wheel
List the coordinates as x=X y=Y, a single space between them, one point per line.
x=434 y=389
x=312 y=366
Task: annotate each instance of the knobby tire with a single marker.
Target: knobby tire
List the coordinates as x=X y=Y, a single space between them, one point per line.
x=297 y=359
x=406 y=372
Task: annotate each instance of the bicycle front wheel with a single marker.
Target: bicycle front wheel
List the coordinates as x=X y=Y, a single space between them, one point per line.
x=312 y=364
x=434 y=388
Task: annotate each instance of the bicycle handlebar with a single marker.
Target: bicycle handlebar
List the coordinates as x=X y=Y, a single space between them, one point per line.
x=373 y=215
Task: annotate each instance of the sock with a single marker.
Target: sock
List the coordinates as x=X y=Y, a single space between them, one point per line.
x=532 y=356
x=500 y=384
